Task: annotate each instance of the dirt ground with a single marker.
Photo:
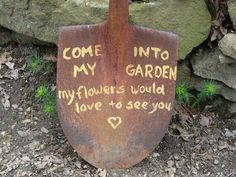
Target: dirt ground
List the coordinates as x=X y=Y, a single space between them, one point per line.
x=32 y=144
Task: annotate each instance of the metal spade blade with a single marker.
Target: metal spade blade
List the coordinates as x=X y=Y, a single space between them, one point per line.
x=115 y=88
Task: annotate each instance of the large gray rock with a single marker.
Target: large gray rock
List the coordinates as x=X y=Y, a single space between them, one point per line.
x=232 y=11
x=226 y=60
x=224 y=109
x=232 y=109
x=41 y=18
x=184 y=74
x=207 y=65
x=228 y=45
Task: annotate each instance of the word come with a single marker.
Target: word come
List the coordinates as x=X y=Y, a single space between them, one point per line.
x=81 y=52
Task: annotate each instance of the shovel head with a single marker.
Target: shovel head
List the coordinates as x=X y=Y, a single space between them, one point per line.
x=115 y=88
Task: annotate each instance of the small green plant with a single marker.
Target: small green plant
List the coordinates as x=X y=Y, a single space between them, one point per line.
x=42 y=92
x=49 y=66
x=36 y=63
x=49 y=108
x=208 y=91
x=182 y=93
x=47 y=99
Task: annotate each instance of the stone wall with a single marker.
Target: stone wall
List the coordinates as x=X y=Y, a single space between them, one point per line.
x=40 y=19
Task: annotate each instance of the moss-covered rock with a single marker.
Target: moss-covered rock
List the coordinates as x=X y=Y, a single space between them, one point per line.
x=41 y=19
x=232 y=11
x=190 y=19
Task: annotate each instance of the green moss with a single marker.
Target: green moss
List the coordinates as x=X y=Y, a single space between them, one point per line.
x=182 y=94
x=49 y=66
x=47 y=100
x=35 y=63
x=191 y=20
x=208 y=90
x=49 y=108
x=207 y=93
x=42 y=92
x=232 y=11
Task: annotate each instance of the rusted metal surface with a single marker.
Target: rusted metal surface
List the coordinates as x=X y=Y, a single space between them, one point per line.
x=115 y=128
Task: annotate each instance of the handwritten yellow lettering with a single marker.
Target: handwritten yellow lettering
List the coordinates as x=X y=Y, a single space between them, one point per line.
x=135 y=51
x=67 y=94
x=98 y=106
x=158 y=71
x=149 y=71
x=143 y=52
x=149 y=52
x=87 y=92
x=160 y=106
x=85 y=69
x=65 y=56
x=139 y=71
x=78 y=69
x=136 y=105
x=120 y=90
x=129 y=70
x=98 y=50
x=144 y=105
x=88 y=107
x=165 y=55
x=156 y=51
x=87 y=51
x=82 y=52
x=165 y=70
x=76 y=52
x=72 y=96
x=153 y=89
x=92 y=68
x=107 y=89
x=63 y=94
x=173 y=73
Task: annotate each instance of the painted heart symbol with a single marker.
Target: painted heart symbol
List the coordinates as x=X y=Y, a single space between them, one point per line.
x=114 y=121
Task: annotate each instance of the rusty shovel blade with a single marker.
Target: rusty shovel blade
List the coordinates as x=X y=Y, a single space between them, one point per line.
x=115 y=88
